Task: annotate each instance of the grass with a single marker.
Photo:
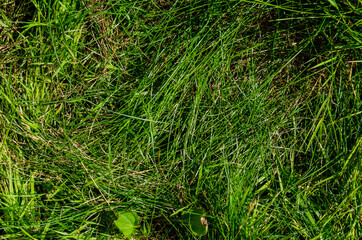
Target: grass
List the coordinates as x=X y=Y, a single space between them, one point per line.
x=248 y=109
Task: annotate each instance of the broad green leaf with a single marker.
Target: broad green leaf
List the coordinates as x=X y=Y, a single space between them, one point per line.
x=196 y=221
x=127 y=223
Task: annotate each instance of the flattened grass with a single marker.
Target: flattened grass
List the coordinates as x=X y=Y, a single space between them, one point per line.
x=248 y=109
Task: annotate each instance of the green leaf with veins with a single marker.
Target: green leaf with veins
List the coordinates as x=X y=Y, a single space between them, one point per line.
x=127 y=223
x=196 y=221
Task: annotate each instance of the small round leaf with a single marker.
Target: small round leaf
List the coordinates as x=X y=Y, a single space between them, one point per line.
x=127 y=223
x=196 y=221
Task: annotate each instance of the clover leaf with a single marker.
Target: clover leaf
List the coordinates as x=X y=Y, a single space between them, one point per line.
x=127 y=223
x=196 y=220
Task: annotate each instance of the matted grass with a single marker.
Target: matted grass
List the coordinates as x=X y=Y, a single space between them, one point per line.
x=250 y=110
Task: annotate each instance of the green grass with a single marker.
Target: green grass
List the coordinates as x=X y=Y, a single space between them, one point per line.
x=251 y=110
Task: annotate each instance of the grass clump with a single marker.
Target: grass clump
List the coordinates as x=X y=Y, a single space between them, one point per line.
x=250 y=110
